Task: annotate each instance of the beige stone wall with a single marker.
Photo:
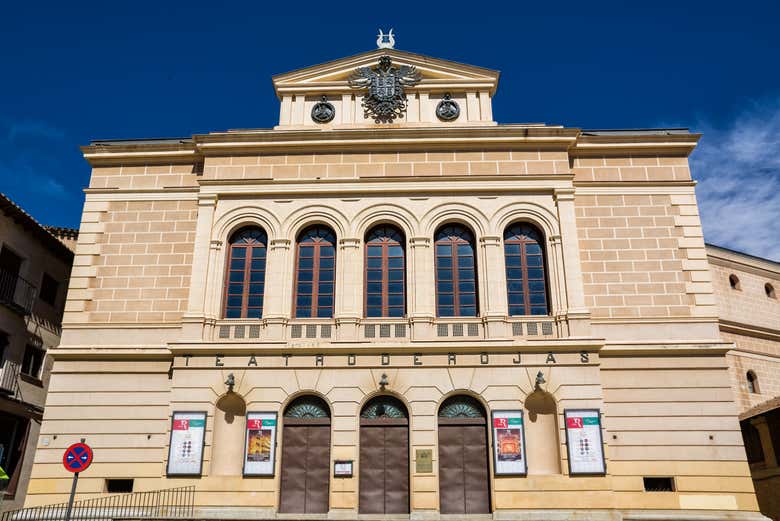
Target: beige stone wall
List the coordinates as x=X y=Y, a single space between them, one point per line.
x=387 y=164
x=144 y=177
x=765 y=367
x=631 y=168
x=749 y=304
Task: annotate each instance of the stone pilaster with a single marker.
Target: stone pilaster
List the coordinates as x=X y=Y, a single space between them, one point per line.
x=578 y=316
x=421 y=288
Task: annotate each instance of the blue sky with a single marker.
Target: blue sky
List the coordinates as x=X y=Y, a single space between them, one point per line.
x=73 y=72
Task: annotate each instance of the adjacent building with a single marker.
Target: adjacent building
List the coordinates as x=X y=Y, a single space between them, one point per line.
x=389 y=304
x=34 y=271
x=749 y=316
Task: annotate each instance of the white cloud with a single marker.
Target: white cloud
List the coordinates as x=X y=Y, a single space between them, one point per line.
x=738 y=170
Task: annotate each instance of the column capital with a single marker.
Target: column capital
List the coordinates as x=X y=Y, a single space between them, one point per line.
x=279 y=244
x=349 y=242
x=564 y=194
x=207 y=199
x=417 y=242
x=490 y=240
x=215 y=244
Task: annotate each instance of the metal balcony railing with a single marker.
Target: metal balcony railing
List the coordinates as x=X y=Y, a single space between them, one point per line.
x=172 y=503
x=16 y=292
x=9 y=378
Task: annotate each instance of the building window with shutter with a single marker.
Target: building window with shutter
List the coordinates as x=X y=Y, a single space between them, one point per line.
x=245 y=286
x=385 y=278
x=456 y=272
x=315 y=273
x=526 y=280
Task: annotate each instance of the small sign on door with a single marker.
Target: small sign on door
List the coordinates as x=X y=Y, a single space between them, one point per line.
x=342 y=468
x=423 y=461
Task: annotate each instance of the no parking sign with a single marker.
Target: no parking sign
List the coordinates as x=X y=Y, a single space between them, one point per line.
x=77 y=457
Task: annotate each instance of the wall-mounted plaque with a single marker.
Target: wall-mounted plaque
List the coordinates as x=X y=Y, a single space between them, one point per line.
x=185 y=448
x=342 y=468
x=423 y=461
x=509 y=457
x=260 y=444
x=584 y=442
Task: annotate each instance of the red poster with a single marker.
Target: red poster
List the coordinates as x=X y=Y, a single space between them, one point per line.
x=181 y=425
x=574 y=422
x=254 y=424
x=500 y=423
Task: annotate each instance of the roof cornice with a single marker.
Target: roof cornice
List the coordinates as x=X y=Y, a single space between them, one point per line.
x=606 y=145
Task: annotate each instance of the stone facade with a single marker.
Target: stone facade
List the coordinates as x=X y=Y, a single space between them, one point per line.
x=632 y=328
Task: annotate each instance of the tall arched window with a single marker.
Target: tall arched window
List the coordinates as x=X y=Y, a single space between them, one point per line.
x=315 y=272
x=385 y=266
x=526 y=284
x=246 y=274
x=456 y=272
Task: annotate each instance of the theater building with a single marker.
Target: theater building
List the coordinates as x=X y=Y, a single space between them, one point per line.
x=390 y=304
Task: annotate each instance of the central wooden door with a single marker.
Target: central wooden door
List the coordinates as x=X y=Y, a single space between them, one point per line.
x=464 y=482
x=384 y=457
x=305 y=480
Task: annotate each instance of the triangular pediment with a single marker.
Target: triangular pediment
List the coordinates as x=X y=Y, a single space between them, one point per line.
x=436 y=74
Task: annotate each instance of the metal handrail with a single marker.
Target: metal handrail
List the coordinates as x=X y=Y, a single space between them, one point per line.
x=172 y=503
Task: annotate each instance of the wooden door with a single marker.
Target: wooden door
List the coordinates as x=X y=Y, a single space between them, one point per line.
x=384 y=466
x=464 y=483
x=305 y=480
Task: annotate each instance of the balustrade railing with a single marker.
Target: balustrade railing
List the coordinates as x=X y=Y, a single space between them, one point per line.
x=9 y=378
x=16 y=292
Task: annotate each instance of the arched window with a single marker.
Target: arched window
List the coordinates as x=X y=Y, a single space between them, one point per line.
x=385 y=266
x=752 y=382
x=770 y=290
x=734 y=281
x=315 y=272
x=456 y=273
x=246 y=274
x=526 y=283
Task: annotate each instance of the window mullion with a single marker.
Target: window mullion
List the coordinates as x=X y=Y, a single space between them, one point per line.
x=455 y=279
x=245 y=287
x=385 y=279
x=315 y=278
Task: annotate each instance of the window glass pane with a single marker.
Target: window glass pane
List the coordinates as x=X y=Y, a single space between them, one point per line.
x=444 y=274
x=465 y=249
x=258 y=253
x=465 y=262
x=396 y=275
x=395 y=312
x=255 y=301
x=303 y=312
x=516 y=298
x=304 y=287
x=534 y=261
x=374 y=311
x=374 y=287
x=239 y=252
x=515 y=286
x=375 y=262
x=256 y=288
x=533 y=248
x=305 y=251
x=234 y=301
x=395 y=300
x=467 y=311
x=235 y=289
x=537 y=285
x=395 y=251
x=306 y=262
x=324 y=312
x=374 y=251
x=513 y=262
x=445 y=287
x=395 y=287
x=444 y=262
x=237 y=264
x=512 y=249
x=516 y=310
x=327 y=262
x=535 y=273
x=466 y=287
x=443 y=250
x=258 y=264
x=326 y=288
x=374 y=275
x=466 y=274
x=539 y=310
x=233 y=313
x=255 y=313
x=326 y=275
x=395 y=262
x=446 y=299
x=327 y=251
x=374 y=300
x=324 y=301
x=303 y=300
x=446 y=311
x=538 y=298
x=305 y=275
x=257 y=276
x=236 y=276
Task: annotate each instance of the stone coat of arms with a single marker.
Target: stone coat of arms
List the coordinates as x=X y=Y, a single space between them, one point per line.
x=385 y=98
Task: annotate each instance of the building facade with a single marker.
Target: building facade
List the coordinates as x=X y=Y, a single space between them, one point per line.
x=749 y=311
x=390 y=304
x=34 y=270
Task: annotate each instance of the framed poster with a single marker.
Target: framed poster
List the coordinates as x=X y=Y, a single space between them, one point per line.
x=509 y=457
x=584 y=442
x=342 y=468
x=260 y=444
x=185 y=449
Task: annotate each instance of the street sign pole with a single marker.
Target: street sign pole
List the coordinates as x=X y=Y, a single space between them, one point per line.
x=72 y=495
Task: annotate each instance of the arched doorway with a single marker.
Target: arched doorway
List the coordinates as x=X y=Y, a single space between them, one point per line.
x=384 y=457
x=305 y=480
x=464 y=482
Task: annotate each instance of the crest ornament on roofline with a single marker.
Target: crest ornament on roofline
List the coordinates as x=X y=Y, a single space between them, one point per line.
x=323 y=111
x=447 y=109
x=385 y=98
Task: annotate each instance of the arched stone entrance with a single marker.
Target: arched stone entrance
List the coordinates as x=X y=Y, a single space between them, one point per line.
x=305 y=480
x=464 y=477
x=384 y=457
